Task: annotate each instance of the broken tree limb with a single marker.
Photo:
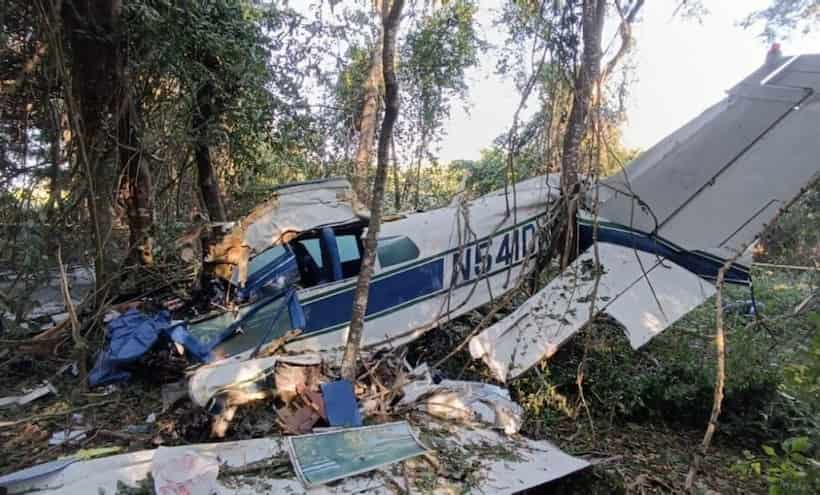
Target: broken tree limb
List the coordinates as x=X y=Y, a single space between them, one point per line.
x=38 y=417
x=720 y=376
x=80 y=344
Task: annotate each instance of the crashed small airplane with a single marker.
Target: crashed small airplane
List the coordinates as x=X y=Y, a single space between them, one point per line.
x=662 y=229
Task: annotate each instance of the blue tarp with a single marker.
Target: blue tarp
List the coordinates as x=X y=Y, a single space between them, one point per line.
x=133 y=334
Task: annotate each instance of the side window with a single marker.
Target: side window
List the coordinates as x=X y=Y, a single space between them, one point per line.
x=395 y=250
x=348 y=248
x=314 y=248
x=262 y=259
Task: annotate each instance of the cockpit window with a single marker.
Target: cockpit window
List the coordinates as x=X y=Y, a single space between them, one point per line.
x=262 y=259
x=396 y=250
x=314 y=249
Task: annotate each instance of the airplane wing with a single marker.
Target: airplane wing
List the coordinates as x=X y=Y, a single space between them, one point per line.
x=674 y=216
x=715 y=184
x=644 y=292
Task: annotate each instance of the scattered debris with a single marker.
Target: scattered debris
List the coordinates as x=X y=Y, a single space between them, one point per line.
x=70 y=436
x=186 y=474
x=340 y=404
x=35 y=472
x=173 y=393
x=498 y=464
x=469 y=402
x=301 y=414
x=328 y=456
x=22 y=400
x=130 y=336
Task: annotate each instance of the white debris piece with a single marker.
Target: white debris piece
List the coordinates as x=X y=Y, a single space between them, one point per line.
x=22 y=400
x=62 y=436
x=533 y=463
x=186 y=474
x=645 y=305
x=208 y=381
x=471 y=402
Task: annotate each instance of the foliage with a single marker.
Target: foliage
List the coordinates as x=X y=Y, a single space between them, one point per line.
x=795 y=238
x=794 y=469
x=788 y=470
x=436 y=52
x=782 y=18
x=233 y=45
x=672 y=379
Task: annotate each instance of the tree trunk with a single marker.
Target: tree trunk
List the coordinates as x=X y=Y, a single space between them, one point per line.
x=391 y=112
x=585 y=80
x=136 y=189
x=203 y=114
x=396 y=177
x=55 y=156
x=419 y=157
x=369 y=115
x=92 y=28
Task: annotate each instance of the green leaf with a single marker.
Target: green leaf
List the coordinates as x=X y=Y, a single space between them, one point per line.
x=796 y=444
x=769 y=451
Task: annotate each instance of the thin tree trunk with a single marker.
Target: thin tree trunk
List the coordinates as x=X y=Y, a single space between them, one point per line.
x=391 y=112
x=136 y=188
x=419 y=157
x=54 y=151
x=720 y=378
x=592 y=26
x=396 y=177
x=92 y=28
x=203 y=114
x=369 y=115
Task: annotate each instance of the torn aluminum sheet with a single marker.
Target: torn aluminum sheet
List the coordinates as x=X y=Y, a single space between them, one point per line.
x=465 y=401
x=531 y=464
x=645 y=306
x=22 y=400
x=184 y=474
x=294 y=208
x=527 y=464
x=320 y=458
x=234 y=376
x=35 y=472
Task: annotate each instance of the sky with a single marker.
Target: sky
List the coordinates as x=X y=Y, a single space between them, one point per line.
x=682 y=67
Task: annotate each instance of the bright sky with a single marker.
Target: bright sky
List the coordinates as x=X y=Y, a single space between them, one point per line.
x=682 y=67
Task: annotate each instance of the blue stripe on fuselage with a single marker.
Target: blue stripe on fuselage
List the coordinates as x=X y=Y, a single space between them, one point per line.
x=385 y=293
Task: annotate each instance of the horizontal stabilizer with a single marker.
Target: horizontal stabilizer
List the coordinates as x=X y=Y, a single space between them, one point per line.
x=714 y=184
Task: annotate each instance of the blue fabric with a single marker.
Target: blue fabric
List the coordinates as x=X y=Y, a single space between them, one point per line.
x=133 y=334
x=193 y=347
x=340 y=404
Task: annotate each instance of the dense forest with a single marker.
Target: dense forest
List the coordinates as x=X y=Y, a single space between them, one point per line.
x=129 y=126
